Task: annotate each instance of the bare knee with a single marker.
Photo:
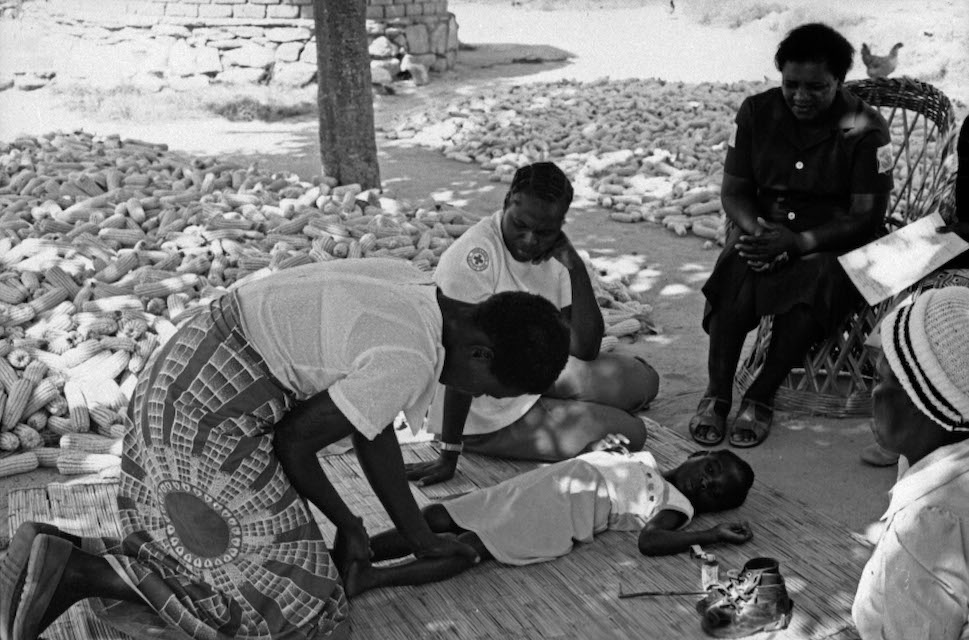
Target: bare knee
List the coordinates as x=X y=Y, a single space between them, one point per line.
x=649 y=385
x=634 y=429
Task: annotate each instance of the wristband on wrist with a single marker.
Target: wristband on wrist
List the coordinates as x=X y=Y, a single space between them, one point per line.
x=455 y=448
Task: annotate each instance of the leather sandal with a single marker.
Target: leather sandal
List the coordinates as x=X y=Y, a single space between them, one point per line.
x=754 y=417
x=715 y=423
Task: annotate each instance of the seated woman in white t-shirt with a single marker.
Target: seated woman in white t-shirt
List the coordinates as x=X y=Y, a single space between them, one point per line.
x=539 y=515
x=220 y=460
x=523 y=248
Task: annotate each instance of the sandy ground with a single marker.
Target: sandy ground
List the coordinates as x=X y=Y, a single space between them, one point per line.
x=814 y=460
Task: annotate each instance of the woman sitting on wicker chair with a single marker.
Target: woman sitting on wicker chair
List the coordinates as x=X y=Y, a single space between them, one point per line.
x=807 y=176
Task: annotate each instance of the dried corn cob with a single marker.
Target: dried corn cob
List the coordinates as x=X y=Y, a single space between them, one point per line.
x=61 y=425
x=72 y=462
x=103 y=416
x=91 y=443
x=48 y=300
x=104 y=392
x=17 y=399
x=9 y=441
x=115 y=430
x=8 y=375
x=47 y=456
x=81 y=353
x=19 y=358
x=36 y=420
x=77 y=406
x=124 y=263
x=18 y=315
x=114 y=303
x=18 y=463
x=167 y=286
x=29 y=437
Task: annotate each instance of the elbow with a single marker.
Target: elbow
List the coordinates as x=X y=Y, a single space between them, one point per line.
x=587 y=353
x=650 y=545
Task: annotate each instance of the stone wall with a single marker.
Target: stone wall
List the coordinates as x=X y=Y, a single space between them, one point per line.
x=189 y=43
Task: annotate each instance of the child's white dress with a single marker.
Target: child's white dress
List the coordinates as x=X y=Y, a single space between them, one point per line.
x=538 y=515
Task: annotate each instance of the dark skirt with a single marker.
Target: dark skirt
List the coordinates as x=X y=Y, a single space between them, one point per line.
x=816 y=281
x=215 y=538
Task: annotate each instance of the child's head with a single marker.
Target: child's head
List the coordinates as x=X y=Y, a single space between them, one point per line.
x=713 y=480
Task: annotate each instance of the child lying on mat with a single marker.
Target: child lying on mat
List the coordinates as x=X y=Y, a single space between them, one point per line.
x=537 y=516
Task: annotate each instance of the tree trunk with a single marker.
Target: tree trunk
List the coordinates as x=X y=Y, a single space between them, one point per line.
x=348 y=147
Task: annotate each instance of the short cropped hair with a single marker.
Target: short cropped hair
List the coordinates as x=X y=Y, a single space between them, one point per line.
x=737 y=495
x=545 y=181
x=816 y=42
x=529 y=339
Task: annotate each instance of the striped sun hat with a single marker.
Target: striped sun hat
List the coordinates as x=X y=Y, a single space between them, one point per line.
x=927 y=346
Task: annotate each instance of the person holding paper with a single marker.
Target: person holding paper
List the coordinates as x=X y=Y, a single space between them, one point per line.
x=807 y=176
x=960 y=223
x=916 y=583
x=953 y=273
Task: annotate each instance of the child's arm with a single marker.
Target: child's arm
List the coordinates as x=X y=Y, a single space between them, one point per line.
x=659 y=538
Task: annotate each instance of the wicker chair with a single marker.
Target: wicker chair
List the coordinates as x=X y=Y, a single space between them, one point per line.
x=838 y=373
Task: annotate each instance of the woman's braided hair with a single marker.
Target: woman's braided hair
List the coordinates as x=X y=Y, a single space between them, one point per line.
x=545 y=181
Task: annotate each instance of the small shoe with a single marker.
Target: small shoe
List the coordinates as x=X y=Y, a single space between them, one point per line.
x=13 y=571
x=714 y=424
x=878 y=456
x=48 y=559
x=754 y=417
x=751 y=570
x=754 y=601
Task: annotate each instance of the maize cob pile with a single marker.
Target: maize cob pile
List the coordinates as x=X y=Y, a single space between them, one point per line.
x=649 y=150
x=106 y=245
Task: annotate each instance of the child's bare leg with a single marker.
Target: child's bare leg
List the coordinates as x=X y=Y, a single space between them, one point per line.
x=390 y=544
x=407 y=573
x=416 y=572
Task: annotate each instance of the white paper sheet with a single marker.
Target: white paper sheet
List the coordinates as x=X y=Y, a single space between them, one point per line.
x=886 y=266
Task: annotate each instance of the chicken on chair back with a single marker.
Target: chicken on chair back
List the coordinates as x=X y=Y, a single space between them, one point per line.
x=880 y=66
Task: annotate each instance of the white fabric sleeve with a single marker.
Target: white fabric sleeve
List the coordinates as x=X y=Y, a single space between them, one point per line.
x=467 y=272
x=565 y=288
x=383 y=382
x=926 y=589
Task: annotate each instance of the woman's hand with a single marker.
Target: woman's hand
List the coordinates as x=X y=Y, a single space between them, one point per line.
x=733 y=532
x=446 y=545
x=763 y=249
x=351 y=546
x=563 y=251
x=957 y=227
x=428 y=473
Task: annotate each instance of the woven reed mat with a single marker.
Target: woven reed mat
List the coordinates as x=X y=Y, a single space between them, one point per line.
x=573 y=597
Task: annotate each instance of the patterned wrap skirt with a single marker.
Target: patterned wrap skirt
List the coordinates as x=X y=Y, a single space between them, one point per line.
x=215 y=538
